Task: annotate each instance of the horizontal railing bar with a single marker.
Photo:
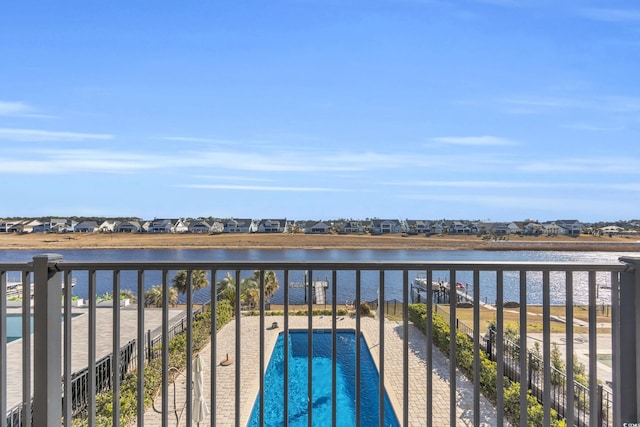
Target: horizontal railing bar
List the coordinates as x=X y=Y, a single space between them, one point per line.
x=339 y=265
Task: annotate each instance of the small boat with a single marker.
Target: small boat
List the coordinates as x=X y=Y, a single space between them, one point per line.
x=420 y=283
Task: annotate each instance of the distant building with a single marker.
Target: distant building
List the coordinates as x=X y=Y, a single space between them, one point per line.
x=313 y=227
x=271 y=226
x=236 y=225
x=385 y=226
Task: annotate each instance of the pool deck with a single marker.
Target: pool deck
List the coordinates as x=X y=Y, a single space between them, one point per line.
x=250 y=361
x=80 y=343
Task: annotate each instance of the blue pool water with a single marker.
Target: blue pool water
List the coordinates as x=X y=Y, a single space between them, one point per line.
x=321 y=381
x=14 y=325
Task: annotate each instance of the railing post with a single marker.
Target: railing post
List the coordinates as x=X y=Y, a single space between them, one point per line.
x=627 y=375
x=47 y=338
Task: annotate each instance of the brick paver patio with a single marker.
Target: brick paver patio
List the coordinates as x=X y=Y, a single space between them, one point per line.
x=249 y=365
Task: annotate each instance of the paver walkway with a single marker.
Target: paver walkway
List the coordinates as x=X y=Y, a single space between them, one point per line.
x=80 y=341
x=249 y=364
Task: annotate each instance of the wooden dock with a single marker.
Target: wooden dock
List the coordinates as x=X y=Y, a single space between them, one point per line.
x=319 y=289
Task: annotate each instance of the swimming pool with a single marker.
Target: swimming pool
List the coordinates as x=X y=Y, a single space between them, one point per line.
x=14 y=325
x=321 y=380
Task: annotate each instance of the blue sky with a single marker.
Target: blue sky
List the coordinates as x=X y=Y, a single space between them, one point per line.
x=486 y=109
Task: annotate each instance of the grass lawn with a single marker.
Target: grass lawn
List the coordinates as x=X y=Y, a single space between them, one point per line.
x=534 y=318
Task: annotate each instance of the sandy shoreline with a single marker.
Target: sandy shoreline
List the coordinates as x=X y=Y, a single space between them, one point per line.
x=37 y=241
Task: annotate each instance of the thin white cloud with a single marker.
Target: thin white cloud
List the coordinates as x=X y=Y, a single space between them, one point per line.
x=541 y=104
x=558 y=204
x=20 y=109
x=37 y=135
x=233 y=178
x=260 y=188
x=606 y=165
x=590 y=127
x=531 y=185
x=73 y=161
x=194 y=139
x=475 y=140
x=13 y=108
x=611 y=15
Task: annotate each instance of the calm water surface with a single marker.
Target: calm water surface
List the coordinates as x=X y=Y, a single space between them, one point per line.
x=346 y=280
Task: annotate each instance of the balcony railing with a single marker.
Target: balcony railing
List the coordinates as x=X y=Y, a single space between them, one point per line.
x=37 y=373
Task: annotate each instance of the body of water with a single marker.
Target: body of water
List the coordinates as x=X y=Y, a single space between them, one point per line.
x=345 y=279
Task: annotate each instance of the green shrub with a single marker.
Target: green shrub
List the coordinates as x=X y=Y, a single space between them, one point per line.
x=201 y=334
x=365 y=310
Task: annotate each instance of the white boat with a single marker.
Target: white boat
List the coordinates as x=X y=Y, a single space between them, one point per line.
x=420 y=283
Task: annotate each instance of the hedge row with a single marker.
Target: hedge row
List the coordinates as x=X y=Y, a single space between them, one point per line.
x=201 y=335
x=488 y=369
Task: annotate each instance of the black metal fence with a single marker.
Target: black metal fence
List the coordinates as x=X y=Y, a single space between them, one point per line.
x=535 y=380
x=103 y=374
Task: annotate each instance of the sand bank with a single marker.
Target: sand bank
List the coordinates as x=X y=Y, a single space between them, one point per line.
x=39 y=241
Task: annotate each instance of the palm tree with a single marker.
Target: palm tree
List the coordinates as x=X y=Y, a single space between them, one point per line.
x=128 y=293
x=198 y=279
x=153 y=297
x=227 y=289
x=270 y=284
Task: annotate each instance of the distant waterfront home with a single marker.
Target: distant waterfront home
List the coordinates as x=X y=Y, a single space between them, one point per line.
x=107 y=226
x=532 y=229
x=86 y=227
x=129 y=227
x=351 y=227
x=217 y=227
x=385 y=226
x=235 y=225
x=437 y=227
x=415 y=226
x=199 y=226
x=572 y=227
x=552 y=228
x=167 y=226
x=24 y=226
x=271 y=226
x=611 y=229
x=5 y=226
x=515 y=227
x=52 y=225
x=313 y=227
x=461 y=227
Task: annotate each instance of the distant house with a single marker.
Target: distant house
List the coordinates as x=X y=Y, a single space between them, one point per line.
x=5 y=226
x=52 y=225
x=611 y=229
x=385 y=226
x=161 y=225
x=317 y=228
x=552 y=229
x=271 y=226
x=167 y=226
x=87 y=227
x=24 y=226
x=107 y=226
x=235 y=225
x=217 y=227
x=532 y=229
x=437 y=227
x=129 y=227
x=351 y=227
x=199 y=226
x=415 y=226
x=515 y=227
x=572 y=227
